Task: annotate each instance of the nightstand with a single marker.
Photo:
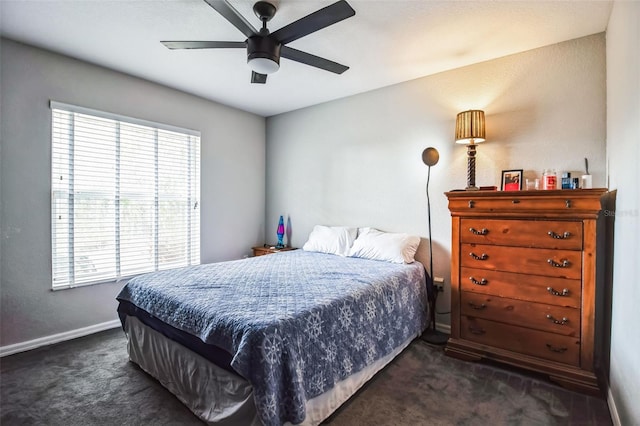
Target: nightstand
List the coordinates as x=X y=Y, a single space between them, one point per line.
x=262 y=250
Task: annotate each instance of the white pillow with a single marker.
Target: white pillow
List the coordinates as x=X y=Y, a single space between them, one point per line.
x=331 y=239
x=387 y=246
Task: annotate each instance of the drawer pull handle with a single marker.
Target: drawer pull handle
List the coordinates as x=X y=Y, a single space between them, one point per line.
x=562 y=236
x=515 y=201
x=555 y=349
x=483 y=281
x=565 y=263
x=483 y=231
x=483 y=256
x=478 y=331
x=565 y=291
x=568 y=203
x=563 y=321
x=477 y=307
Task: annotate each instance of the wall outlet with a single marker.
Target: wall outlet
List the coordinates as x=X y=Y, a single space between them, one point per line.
x=438 y=280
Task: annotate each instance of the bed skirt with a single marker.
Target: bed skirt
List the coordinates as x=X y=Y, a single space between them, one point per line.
x=217 y=396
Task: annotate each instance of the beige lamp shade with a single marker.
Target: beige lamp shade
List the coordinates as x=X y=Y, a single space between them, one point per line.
x=470 y=127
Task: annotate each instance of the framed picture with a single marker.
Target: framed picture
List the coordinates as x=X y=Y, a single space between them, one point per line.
x=511 y=180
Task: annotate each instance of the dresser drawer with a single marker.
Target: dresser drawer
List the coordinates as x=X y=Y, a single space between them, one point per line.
x=554 y=347
x=552 y=263
x=527 y=202
x=523 y=233
x=540 y=316
x=534 y=288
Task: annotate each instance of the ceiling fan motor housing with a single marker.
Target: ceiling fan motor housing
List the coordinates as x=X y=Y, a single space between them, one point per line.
x=263 y=47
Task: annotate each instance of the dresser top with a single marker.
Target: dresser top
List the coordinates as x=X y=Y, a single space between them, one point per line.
x=596 y=192
x=541 y=203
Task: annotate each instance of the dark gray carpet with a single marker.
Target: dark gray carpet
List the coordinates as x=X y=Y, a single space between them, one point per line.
x=89 y=381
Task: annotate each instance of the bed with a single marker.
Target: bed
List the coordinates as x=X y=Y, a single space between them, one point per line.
x=278 y=339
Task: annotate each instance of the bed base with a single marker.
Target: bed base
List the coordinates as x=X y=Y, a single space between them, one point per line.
x=217 y=396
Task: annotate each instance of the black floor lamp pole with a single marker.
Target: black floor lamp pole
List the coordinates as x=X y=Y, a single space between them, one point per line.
x=434 y=291
x=430 y=157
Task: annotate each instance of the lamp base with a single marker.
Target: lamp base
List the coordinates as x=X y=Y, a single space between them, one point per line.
x=471 y=167
x=434 y=337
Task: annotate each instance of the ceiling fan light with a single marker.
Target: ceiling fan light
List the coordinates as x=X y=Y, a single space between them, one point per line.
x=263 y=54
x=263 y=65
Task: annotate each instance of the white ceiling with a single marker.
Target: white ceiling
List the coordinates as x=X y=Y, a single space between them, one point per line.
x=386 y=42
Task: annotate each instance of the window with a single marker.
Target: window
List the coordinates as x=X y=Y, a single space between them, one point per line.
x=124 y=197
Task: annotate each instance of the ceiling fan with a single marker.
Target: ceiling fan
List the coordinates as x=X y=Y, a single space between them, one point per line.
x=264 y=49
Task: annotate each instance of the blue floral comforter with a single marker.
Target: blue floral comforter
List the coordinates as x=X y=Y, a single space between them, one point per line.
x=295 y=322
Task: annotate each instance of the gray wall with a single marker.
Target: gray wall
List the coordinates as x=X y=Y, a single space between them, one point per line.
x=357 y=161
x=623 y=153
x=232 y=181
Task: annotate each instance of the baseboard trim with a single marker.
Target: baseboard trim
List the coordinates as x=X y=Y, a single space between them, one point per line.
x=445 y=328
x=613 y=410
x=57 y=338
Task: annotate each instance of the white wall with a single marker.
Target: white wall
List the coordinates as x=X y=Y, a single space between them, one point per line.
x=623 y=153
x=232 y=181
x=357 y=161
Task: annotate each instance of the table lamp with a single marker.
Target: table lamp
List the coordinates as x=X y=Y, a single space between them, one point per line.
x=470 y=131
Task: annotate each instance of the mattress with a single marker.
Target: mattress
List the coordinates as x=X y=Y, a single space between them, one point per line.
x=293 y=324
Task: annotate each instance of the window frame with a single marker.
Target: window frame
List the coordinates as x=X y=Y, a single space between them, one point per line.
x=192 y=175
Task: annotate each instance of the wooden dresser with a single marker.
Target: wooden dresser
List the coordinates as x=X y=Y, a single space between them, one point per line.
x=523 y=278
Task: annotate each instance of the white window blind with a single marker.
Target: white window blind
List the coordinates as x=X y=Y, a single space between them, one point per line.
x=124 y=197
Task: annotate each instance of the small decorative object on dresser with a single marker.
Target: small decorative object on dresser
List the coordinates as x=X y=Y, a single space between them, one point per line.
x=266 y=249
x=523 y=282
x=511 y=180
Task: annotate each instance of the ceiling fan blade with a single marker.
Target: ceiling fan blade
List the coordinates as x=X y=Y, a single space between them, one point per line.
x=258 y=78
x=230 y=14
x=204 y=44
x=314 y=22
x=313 y=60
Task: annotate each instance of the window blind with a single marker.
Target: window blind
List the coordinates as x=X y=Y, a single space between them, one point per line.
x=124 y=196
